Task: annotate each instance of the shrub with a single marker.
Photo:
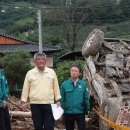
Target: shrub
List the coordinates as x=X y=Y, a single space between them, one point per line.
x=63 y=69
x=17 y=64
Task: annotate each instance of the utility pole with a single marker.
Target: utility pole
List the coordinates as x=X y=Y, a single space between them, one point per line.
x=68 y=3
x=40 y=30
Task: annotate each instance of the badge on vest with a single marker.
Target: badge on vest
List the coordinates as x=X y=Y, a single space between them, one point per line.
x=79 y=86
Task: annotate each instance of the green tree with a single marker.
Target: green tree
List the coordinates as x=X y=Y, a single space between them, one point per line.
x=71 y=21
x=17 y=64
x=23 y=25
x=125 y=7
x=63 y=69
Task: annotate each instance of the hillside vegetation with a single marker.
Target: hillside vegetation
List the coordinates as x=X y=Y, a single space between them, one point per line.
x=65 y=23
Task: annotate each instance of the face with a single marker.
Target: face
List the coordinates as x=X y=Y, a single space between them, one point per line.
x=74 y=72
x=40 y=62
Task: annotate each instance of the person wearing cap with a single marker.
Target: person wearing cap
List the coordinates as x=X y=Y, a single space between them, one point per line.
x=41 y=88
x=4 y=112
x=74 y=98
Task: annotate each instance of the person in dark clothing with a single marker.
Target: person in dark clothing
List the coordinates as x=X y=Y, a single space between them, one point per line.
x=4 y=112
x=74 y=95
x=7 y=118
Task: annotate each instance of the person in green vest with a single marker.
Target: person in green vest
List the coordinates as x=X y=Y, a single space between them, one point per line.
x=74 y=98
x=4 y=112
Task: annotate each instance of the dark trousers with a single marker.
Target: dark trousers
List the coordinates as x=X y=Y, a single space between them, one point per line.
x=2 y=119
x=71 y=118
x=7 y=118
x=42 y=116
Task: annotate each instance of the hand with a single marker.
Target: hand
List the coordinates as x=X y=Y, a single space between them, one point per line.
x=24 y=106
x=4 y=104
x=88 y=112
x=58 y=103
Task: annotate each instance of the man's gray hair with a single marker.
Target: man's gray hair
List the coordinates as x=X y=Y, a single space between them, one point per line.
x=39 y=54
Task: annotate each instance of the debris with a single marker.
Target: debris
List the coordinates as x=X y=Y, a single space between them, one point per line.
x=19 y=120
x=107 y=71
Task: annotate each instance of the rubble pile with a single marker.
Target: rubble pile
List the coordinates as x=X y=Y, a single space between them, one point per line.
x=22 y=120
x=107 y=71
x=19 y=120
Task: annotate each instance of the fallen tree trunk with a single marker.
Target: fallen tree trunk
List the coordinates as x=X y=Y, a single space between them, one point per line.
x=20 y=114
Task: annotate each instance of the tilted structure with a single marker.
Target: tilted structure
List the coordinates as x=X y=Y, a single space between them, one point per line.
x=107 y=71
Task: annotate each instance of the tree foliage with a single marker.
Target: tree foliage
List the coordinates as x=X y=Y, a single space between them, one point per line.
x=61 y=23
x=23 y=25
x=17 y=64
x=63 y=69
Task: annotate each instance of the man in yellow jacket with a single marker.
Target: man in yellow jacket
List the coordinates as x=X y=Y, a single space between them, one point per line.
x=41 y=88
